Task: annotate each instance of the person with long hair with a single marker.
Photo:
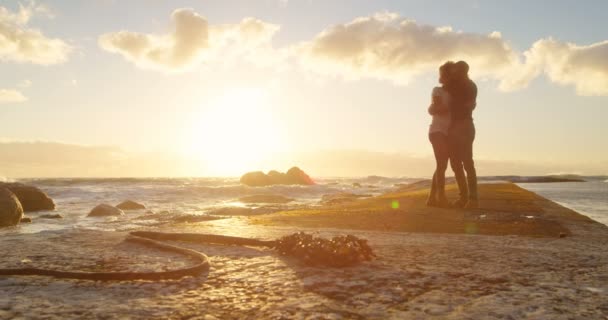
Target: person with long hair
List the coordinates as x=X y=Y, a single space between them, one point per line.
x=438 y=135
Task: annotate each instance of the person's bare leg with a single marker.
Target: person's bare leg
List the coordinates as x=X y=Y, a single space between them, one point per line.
x=432 y=200
x=442 y=164
x=461 y=181
x=439 y=142
x=469 y=166
x=455 y=146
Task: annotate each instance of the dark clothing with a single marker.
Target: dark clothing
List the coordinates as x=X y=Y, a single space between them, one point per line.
x=462 y=135
x=462 y=94
x=460 y=139
x=441 y=149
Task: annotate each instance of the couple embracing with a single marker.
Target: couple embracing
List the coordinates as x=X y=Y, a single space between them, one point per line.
x=452 y=133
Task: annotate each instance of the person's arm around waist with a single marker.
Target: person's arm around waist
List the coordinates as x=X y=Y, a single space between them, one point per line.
x=437 y=106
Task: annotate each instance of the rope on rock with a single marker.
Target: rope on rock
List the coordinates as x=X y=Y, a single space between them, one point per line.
x=204 y=238
x=201 y=266
x=339 y=251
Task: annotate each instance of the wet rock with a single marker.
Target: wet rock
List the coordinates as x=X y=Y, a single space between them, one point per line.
x=105 y=210
x=293 y=176
x=130 y=205
x=26 y=220
x=356 y=185
x=51 y=216
x=31 y=198
x=11 y=211
x=265 y=198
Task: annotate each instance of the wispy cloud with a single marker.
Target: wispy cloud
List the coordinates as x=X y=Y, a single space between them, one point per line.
x=21 y=43
x=192 y=42
x=11 y=96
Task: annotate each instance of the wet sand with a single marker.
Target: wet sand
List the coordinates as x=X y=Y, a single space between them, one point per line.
x=447 y=272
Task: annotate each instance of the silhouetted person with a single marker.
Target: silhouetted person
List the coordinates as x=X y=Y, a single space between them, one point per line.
x=438 y=135
x=463 y=92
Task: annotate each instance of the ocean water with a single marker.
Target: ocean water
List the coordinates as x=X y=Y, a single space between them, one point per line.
x=589 y=198
x=168 y=198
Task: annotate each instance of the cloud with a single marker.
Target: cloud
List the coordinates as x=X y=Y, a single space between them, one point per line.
x=584 y=67
x=11 y=96
x=388 y=47
x=191 y=42
x=385 y=46
x=20 y=43
x=381 y=46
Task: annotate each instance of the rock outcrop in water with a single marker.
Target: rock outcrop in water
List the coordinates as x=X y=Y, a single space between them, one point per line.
x=105 y=210
x=31 y=198
x=130 y=205
x=11 y=211
x=293 y=176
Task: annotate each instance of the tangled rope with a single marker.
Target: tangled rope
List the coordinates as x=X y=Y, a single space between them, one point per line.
x=301 y=245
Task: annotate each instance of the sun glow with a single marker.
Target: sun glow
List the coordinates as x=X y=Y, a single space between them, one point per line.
x=234 y=133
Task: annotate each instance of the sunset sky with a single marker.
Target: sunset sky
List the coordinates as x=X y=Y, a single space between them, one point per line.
x=230 y=86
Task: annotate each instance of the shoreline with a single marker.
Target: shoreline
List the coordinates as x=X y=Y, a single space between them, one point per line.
x=416 y=275
x=585 y=199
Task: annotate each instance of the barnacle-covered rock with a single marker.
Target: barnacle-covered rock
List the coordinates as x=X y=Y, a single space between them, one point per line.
x=339 y=251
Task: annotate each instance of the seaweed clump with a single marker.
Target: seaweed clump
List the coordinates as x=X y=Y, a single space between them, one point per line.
x=339 y=251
